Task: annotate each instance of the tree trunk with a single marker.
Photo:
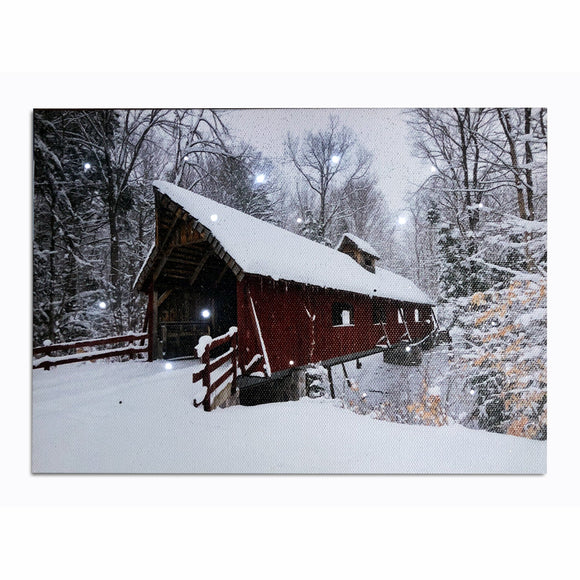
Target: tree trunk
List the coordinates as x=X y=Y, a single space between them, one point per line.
x=52 y=272
x=507 y=129
x=529 y=161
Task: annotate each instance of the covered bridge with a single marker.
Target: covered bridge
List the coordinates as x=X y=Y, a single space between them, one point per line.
x=294 y=301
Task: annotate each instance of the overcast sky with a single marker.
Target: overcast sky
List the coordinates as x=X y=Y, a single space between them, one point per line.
x=382 y=131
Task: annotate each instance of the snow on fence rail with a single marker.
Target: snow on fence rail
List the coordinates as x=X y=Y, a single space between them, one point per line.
x=47 y=361
x=214 y=387
x=205 y=346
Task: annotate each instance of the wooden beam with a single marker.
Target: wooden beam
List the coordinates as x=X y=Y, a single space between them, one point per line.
x=348 y=357
x=199 y=267
x=171 y=228
x=152 y=344
x=161 y=265
x=267 y=368
x=329 y=371
x=164 y=296
x=221 y=275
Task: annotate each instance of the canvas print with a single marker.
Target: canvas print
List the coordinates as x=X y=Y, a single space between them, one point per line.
x=314 y=291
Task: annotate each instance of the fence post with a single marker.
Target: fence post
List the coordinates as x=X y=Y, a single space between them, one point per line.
x=234 y=344
x=206 y=378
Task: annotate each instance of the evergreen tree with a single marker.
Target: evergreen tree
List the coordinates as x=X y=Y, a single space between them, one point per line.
x=487 y=198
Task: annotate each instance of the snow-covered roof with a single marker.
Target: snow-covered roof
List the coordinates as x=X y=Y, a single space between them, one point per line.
x=360 y=244
x=262 y=248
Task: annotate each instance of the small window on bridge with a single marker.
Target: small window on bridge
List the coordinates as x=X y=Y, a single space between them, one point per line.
x=417 y=315
x=342 y=314
x=400 y=315
x=379 y=313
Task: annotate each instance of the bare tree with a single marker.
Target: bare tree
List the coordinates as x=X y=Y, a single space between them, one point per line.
x=451 y=139
x=329 y=162
x=243 y=179
x=193 y=135
x=115 y=140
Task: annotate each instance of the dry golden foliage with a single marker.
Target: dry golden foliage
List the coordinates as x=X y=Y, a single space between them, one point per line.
x=502 y=344
x=428 y=410
x=480 y=360
x=514 y=346
x=518 y=427
x=502 y=332
x=499 y=311
x=521 y=401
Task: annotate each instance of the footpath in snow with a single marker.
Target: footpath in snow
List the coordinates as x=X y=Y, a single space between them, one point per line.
x=138 y=417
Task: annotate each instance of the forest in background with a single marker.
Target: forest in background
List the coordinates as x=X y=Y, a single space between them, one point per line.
x=475 y=237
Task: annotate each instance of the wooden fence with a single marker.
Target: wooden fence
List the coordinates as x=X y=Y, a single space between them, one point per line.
x=204 y=374
x=79 y=352
x=231 y=356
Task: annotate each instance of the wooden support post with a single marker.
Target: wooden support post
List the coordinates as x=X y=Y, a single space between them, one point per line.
x=152 y=341
x=267 y=368
x=149 y=325
x=329 y=370
x=385 y=333
x=234 y=345
x=402 y=313
x=435 y=321
x=132 y=351
x=206 y=377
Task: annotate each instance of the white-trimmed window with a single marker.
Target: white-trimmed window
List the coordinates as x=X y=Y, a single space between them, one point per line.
x=417 y=318
x=342 y=314
x=400 y=315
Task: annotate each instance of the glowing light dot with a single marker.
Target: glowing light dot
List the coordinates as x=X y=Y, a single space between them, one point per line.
x=102 y=305
x=206 y=313
x=260 y=178
x=168 y=366
x=213 y=217
x=402 y=220
x=472 y=392
x=87 y=166
x=291 y=362
x=335 y=159
x=433 y=169
x=480 y=205
x=299 y=220
x=407 y=349
x=186 y=158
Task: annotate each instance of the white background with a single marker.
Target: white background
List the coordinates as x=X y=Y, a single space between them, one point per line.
x=278 y=526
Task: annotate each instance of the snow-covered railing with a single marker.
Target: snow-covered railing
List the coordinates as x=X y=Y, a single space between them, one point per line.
x=80 y=353
x=204 y=347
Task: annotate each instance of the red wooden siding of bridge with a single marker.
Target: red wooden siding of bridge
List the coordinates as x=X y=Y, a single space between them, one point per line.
x=285 y=312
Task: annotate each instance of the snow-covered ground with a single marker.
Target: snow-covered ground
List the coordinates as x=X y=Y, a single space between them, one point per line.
x=138 y=417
